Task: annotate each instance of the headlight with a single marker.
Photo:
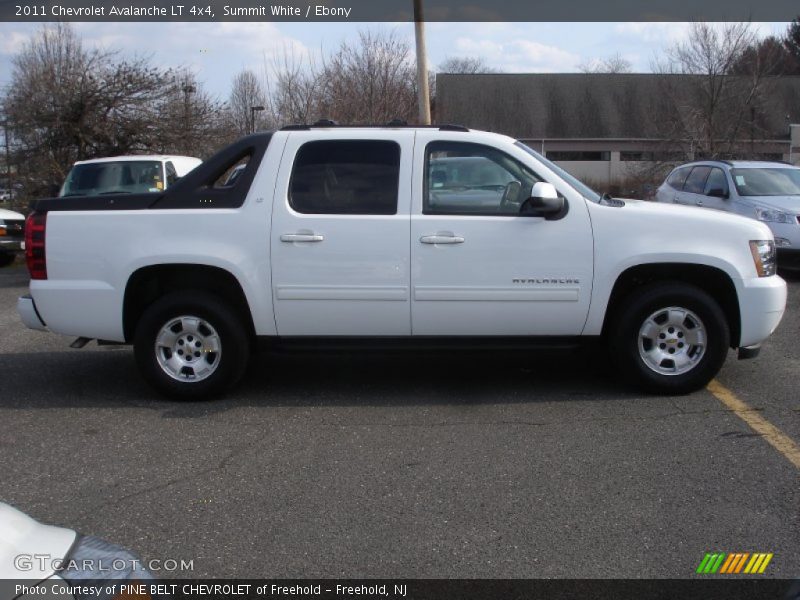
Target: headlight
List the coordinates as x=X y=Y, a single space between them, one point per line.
x=764 y=257
x=770 y=215
x=96 y=563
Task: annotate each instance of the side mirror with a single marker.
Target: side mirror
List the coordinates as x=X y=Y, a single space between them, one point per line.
x=717 y=193
x=543 y=202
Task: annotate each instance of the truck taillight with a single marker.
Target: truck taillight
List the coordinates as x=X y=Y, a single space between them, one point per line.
x=34 y=245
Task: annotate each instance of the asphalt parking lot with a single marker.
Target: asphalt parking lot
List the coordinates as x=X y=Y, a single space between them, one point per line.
x=403 y=465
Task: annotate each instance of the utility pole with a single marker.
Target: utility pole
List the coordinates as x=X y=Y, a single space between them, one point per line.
x=423 y=93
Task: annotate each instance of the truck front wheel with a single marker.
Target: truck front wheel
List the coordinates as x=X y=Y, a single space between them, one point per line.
x=670 y=338
x=190 y=345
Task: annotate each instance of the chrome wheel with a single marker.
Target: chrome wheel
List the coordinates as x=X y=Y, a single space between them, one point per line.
x=672 y=341
x=188 y=348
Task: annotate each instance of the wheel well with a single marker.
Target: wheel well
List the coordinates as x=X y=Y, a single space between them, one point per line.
x=711 y=280
x=150 y=283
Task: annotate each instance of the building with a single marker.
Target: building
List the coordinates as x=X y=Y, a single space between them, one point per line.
x=611 y=129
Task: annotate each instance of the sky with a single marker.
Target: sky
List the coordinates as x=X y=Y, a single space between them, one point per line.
x=217 y=51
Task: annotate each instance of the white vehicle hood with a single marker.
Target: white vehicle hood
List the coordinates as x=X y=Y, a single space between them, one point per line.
x=10 y=214
x=675 y=214
x=21 y=535
x=790 y=204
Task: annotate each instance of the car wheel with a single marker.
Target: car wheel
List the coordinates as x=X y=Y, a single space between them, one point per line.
x=190 y=345
x=6 y=258
x=670 y=338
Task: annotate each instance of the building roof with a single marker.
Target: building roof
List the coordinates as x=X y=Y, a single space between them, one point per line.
x=596 y=105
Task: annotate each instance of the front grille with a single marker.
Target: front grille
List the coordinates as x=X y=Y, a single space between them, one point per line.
x=15 y=229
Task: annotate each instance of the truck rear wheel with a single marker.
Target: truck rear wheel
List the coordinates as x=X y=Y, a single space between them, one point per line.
x=670 y=338
x=190 y=345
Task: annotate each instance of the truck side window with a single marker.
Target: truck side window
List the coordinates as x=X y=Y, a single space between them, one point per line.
x=473 y=179
x=355 y=177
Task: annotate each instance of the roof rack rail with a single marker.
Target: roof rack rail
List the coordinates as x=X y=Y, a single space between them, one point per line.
x=395 y=123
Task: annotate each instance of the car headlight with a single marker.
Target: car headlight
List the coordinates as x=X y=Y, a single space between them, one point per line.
x=770 y=215
x=93 y=561
x=764 y=257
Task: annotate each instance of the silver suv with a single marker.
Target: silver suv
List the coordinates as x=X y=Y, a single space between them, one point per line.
x=767 y=191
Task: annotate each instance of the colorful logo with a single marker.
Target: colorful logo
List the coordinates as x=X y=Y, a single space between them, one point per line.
x=734 y=563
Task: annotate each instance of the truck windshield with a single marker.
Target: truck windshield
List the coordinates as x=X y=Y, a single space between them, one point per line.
x=117 y=177
x=767 y=182
x=583 y=189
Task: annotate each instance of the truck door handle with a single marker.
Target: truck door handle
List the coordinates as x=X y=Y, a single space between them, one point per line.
x=301 y=237
x=699 y=203
x=441 y=239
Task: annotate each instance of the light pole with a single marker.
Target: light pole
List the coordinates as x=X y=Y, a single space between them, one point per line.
x=423 y=94
x=187 y=89
x=9 y=177
x=253 y=110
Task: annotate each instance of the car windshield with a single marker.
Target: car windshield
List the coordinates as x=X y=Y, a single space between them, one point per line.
x=583 y=189
x=117 y=177
x=774 y=181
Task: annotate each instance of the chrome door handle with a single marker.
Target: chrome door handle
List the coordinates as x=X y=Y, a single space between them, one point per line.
x=441 y=239
x=699 y=203
x=301 y=237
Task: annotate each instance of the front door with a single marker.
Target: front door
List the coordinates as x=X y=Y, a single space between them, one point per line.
x=340 y=248
x=478 y=267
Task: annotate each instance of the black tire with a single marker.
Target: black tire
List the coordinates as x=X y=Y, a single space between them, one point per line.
x=624 y=337
x=227 y=325
x=6 y=258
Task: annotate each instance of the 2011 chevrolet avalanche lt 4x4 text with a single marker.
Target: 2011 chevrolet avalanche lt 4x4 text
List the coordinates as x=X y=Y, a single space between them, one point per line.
x=396 y=234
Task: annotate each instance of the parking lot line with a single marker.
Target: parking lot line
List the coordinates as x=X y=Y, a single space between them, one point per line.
x=779 y=440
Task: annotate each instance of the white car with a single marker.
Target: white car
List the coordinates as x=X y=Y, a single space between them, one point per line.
x=37 y=558
x=335 y=234
x=12 y=235
x=126 y=174
x=766 y=191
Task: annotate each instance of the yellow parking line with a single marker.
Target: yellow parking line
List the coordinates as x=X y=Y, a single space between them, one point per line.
x=779 y=440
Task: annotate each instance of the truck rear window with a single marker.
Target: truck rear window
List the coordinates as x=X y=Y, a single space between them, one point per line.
x=346 y=177
x=118 y=177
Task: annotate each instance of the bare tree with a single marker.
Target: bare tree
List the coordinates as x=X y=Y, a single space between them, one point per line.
x=466 y=65
x=189 y=119
x=372 y=80
x=66 y=102
x=612 y=64
x=710 y=108
x=293 y=89
x=246 y=92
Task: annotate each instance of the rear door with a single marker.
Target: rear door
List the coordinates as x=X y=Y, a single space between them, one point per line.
x=694 y=189
x=340 y=248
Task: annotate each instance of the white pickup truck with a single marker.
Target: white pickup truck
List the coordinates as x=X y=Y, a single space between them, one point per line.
x=394 y=235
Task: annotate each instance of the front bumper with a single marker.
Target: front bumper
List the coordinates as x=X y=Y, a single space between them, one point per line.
x=11 y=244
x=762 y=301
x=26 y=308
